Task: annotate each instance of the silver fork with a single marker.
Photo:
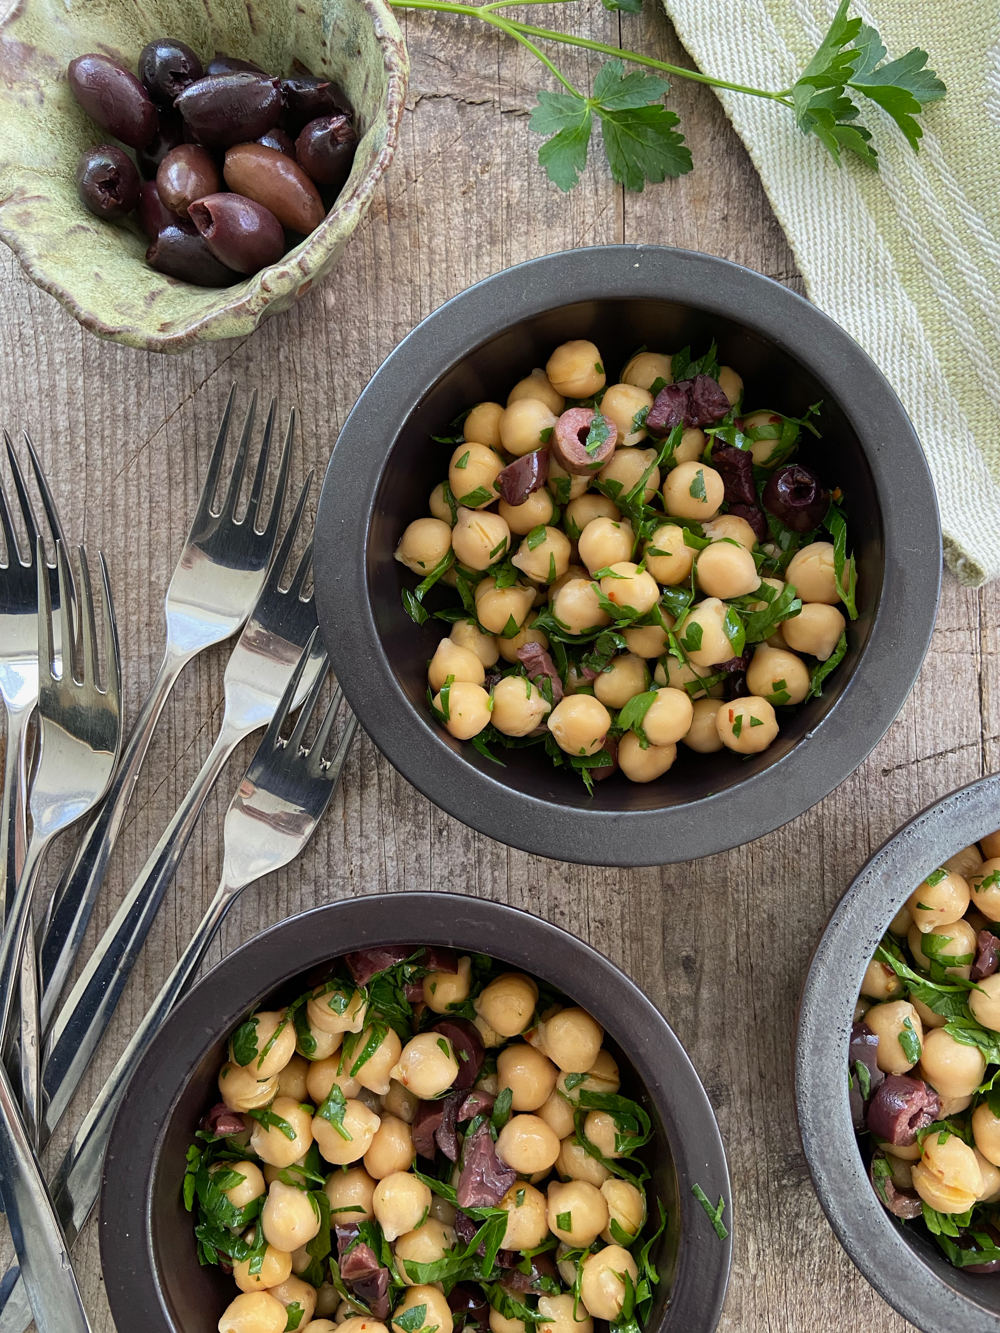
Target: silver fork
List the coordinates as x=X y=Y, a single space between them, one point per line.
x=213 y=589
x=256 y=676
x=283 y=796
x=79 y=740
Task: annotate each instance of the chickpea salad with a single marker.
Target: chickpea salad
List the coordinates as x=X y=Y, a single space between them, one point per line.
x=635 y=565
x=426 y=1141
x=924 y=1070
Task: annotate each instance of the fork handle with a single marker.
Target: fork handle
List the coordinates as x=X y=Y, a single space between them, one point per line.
x=83 y=1018
x=13 y=813
x=74 y=898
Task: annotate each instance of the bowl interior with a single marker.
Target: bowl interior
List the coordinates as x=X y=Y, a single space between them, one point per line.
x=415 y=463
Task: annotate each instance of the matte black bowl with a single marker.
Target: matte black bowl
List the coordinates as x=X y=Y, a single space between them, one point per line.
x=475 y=347
x=906 y=1267
x=151 y=1270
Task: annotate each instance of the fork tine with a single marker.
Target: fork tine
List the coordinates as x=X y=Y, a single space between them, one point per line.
x=68 y=647
x=326 y=726
x=9 y=535
x=288 y=541
x=88 y=631
x=214 y=465
x=272 y=737
x=240 y=462
x=112 y=648
x=260 y=472
x=48 y=504
x=294 y=741
x=46 y=647
x=27 y=513
x=278 y=503
x=302 y=572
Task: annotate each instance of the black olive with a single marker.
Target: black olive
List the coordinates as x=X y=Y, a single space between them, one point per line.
x=797 y=498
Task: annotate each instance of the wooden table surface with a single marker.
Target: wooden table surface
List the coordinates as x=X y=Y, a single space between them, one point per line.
x=721 y=945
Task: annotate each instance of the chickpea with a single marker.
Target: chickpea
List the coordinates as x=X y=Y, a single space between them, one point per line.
x=526 y=425
x=527 y=1225
x=816 y=629
x=602 y=1284
x=497 y=607
x=965 y=862
x=276 y=1267
x=529 y=1074
x=730 y=383
x=668 y=718
x=360 y=1324
x=577 y=1212
x=293 y=1291
x=813 y=573
x=468 y=709
x=703 y=734
x=765 y=451
x=359 y=1122
x=986 y=1132
x=898 y=1152
x=427 y=1065
x=941 y=899
x=459 y=663
x=730 y=527
x=537 y=385
x=778 y=676
x=564 y=485
x=507 y=1004
x=579 y=723
x=727 y=570
x=251 y=1187
x=575 y=1163
x=957 y=941
x=467 y=634
x=290 y=1218
x=314 y=1043
x=565 y=1267
x=985 y=884
x=693 y=490
x=570 y=1037
x=927 y=1015
x=539 y=508
x=272 y=1144
x=518 y=708
x=620 y=404
x=473 y=467
x=645 y=368
x=479 y=539
x=625 y=676
x=627 y=466
x=629 y=586
x=292 y=1079
x=242 y=1092
x=274 y=1043
x=901 y=923
x=328 y=1303
x=560 y=1317
x=644 y=765
x=691 y=447
x=349 y=1191
x=584 y=510
x=254 y=1312
x=438 y=504
x=986 y=1007
x=391 y=1150
x=604 y=541
x=527 y=1144
x=599 y=1127
x=602 y=1076
x=990 y=845
x=575 y=369
x=400 y=1203
x=399 y=1101
x=545 y=560
x=887 y=1021
x=949 y=1066
x=673 y=564
x=678 y=676
x=558 y=1115
x=337 y=1010
x=991 y=1178
x=712 y=645
x=526 y=634
x=443 y=1211
x=424 y=1245
x=648 y=640
x=499 y=1323
x=323 y=1074
x=947 y=1177
x=483 y=424
x=424 y=544
x=442 y=989
x=880 y=981
x=626 y=1207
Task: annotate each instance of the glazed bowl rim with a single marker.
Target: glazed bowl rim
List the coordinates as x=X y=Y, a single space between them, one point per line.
x=872 y=697
x=703 y=1260
x=871 y=1238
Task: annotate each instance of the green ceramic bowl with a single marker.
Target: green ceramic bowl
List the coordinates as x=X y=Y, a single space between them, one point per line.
x=97 y=269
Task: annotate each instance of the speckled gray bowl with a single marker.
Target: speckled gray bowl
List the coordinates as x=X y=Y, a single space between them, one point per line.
x=97 y=269
x=901 y=1263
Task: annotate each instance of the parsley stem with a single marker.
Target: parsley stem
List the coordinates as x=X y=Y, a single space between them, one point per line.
x=521 y=31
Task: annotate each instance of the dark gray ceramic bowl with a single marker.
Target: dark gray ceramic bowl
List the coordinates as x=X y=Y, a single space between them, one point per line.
x=790 y=355
x=151 y=1271
x=906 y=1267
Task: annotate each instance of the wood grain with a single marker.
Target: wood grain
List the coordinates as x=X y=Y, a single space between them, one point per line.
x=721 y=945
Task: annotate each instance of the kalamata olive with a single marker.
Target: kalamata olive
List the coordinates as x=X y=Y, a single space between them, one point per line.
x=181 y=253
x=222 y=64
x=153 y=213
x=472 y=1303
x=166 y=67
x=241 y=233
x=107 y=181
x=538 y=664
x=277 y=182
x=967 y=1241
x=223 y=109
x=468 y=1047
x=277 y=138
x=863 y=1051
x=569 y=441
x=900 y=1202
x=610 y=747
x=307 y=98
x=114 y=98
x=797 y=498
x=187 y=173
x=169 y=134
x=902 y=1106
x=484 y=1179
x=987 y=956
x=325 y=150
x=735 y=467
x=754 y=515
x=707 y=402
x=668 y=409
x=525 y=475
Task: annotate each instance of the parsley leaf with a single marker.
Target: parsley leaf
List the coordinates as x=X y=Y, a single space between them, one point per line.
x=569 y=120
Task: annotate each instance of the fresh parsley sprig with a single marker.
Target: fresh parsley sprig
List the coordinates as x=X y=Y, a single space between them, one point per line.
x=641 y=141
